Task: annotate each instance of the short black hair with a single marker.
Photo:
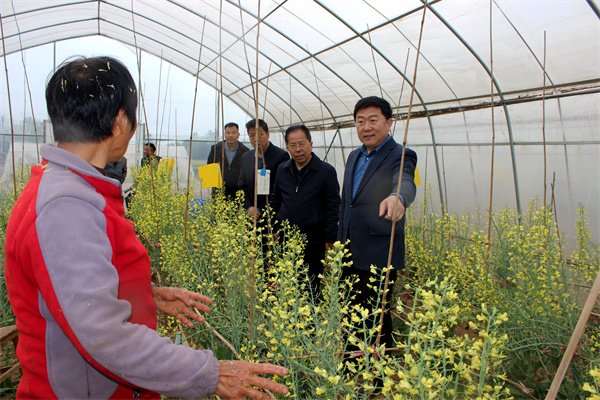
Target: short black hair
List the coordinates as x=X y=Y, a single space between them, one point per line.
x=84 y=96
x=374 y=101
x=232 y=124
x=151 y=145
x=300 y=127
x=261 y=124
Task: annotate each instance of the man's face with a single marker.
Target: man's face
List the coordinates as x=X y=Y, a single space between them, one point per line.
x=232 y=135
x=148 y=151
x=299 y=147
x=372 y=127
x=262 y=139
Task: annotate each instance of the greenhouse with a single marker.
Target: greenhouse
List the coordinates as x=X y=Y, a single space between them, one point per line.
x=500 y=101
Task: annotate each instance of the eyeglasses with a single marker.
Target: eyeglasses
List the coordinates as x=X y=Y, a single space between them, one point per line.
x=301 y=145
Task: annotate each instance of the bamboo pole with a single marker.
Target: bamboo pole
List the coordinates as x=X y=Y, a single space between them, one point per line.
x=221 y=123
x=566 y=360
x=143 y=108
x=267 y=90
x=159 y=132
x=162 y=118
x=37 y=145
x=389 y=262
x=489 y=233
x=12 y=129
x=544 y=118
x=375 y=63
x=401 y=92
x=187 y=189
x=255 y=202
x=553 y=203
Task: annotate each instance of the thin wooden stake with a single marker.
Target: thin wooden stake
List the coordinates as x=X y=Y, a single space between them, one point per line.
x=37 y=145
x=489 y=233
x=187 y=190
x=12 y=129
x=138 y=53
x=389 y=262
x=375 y=62
x=553 y=204
x=220 y=125
x=566 y=360
x=401 y=91
x=544 y=118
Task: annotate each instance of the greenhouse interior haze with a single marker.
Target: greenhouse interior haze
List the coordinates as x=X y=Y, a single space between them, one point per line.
x=477 y=86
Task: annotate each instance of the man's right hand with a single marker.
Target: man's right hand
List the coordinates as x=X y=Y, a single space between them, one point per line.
x=254 y=213
x=238 y=380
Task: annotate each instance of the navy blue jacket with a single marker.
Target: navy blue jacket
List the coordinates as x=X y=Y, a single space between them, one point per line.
x=369 y=233
x=273 y=156
x=313 y=205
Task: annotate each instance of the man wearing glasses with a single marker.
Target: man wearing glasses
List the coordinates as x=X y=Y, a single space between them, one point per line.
x=307 y=194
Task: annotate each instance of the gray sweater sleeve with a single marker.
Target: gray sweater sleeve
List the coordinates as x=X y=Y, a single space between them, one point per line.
x=77 y=253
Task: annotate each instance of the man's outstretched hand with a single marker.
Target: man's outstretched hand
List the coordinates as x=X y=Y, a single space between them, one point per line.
x=239 y=380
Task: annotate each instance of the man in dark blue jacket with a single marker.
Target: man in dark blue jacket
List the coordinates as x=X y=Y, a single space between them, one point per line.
x=307 y=194
x=370 y=202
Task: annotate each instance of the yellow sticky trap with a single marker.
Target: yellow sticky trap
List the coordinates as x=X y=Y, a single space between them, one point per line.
x=417 y=177
x=210 y=175
x=167 y=164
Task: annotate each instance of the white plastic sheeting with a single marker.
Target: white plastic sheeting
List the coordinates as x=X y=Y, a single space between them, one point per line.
x=317 y=58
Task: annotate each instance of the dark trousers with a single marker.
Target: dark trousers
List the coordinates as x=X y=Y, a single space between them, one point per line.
x=314 y=253
x=368 y=297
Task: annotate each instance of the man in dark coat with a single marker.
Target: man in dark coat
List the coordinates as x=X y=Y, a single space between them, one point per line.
x=307 y=194
x=117 y=169
x=150 y=154
x=369 y=200
x=231 y=164
x=269 y=158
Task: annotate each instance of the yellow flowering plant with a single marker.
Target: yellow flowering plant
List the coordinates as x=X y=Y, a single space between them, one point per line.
x=522 y=273
x=476 y=316
x=9 y=190
x=593 y=388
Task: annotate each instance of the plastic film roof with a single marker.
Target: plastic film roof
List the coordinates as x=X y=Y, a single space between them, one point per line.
x=308 y=61
x=317 y=58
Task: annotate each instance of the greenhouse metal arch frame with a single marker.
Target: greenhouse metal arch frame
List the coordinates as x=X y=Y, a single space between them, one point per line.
x=353 y=47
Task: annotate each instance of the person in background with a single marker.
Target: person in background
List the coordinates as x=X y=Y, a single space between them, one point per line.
x=307 y=194
x=117 y=170
x=78 y=278
x=369 y=198
x=269 y=158
x=232 y=163
x=149 y=154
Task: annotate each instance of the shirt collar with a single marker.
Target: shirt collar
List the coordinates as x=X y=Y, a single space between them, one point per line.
x=227 y=146
x=363 y=148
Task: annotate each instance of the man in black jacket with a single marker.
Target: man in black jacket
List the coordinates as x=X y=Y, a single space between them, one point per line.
x=269 y=158
x=307 y=194
x=231 y=164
